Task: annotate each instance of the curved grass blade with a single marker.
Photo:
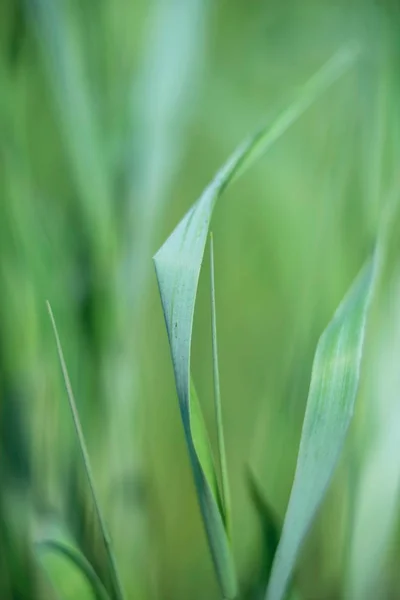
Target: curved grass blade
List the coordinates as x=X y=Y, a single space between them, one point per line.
x=333 y=390
x=44 y=547
x=178 y=264
x=225 y=492
x=116 y=582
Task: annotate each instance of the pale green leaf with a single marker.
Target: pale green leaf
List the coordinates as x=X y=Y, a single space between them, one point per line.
x=330 y=406
x=178 y=265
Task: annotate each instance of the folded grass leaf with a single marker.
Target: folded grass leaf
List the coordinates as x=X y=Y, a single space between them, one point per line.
x=178 y=264
x=116 y=583
x=330 y=405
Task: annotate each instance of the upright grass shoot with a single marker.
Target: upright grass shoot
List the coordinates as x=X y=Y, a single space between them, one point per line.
x=116 y=582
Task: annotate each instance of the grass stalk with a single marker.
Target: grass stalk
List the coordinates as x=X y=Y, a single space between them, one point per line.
x=116 y=582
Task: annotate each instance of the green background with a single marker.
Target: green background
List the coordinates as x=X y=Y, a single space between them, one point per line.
x=114 y=116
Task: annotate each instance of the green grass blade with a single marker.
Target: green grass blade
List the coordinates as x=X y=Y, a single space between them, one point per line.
x=50 y=546
x=178 y=264
x=225 y=491
x=117 y=587
x=330 y=405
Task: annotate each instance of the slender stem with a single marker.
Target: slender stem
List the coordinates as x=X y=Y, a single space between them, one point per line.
x=217 y=399
x=85 y=457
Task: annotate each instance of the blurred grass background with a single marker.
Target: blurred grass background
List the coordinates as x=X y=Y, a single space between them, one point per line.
x=114 y=115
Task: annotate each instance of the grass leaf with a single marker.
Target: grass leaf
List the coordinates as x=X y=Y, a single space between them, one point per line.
x=178 y=264
x=330 y=405
x=117 y=587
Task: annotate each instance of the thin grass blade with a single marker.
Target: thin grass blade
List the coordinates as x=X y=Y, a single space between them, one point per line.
x=178 y=264
x=333 y=390
x=116 y=582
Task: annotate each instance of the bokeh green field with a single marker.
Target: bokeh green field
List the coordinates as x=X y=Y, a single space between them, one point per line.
x=114 y=116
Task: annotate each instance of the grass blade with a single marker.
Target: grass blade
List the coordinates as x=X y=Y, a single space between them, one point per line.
x=330 y=405
x=117 y=587
x=178 y=264
x=225 y=492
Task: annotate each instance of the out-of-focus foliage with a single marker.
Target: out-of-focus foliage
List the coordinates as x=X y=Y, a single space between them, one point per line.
x=113 y=117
